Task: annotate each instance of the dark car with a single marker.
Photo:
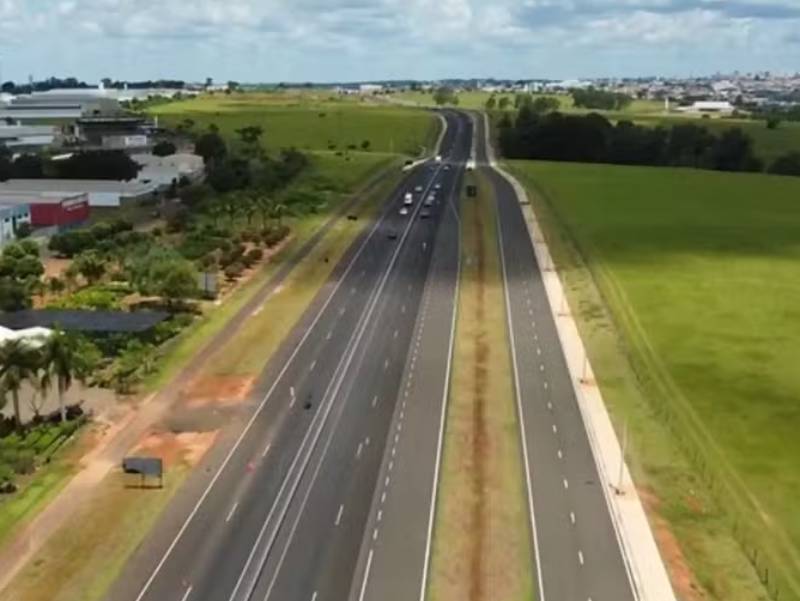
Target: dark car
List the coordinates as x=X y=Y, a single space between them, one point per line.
x=424 y=214
x=392 y=235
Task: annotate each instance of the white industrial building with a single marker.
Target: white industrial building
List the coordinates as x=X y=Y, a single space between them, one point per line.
x=101 y=193
x=11 y=216
x=27 y=137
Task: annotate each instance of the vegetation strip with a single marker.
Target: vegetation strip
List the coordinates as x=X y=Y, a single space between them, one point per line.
x=480 y=551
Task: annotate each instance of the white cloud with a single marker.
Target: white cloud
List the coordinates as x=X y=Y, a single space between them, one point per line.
x=352 y=39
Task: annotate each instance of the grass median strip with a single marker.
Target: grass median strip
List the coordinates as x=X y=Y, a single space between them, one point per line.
x=481 y=545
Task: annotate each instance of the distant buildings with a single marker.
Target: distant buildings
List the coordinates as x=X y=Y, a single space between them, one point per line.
x=99 y=193
x=53 y=210
x=11 y=216
x=706 y=107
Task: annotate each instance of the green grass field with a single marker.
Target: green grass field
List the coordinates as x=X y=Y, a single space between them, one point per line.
x=310 y=122
x=699 y=272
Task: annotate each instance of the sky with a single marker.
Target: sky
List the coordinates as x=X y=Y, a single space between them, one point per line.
x=357 y=40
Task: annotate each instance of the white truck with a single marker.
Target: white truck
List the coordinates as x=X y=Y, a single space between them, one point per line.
x=408 y=199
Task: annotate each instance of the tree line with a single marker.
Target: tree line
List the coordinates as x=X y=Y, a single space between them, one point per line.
x=89 y=164
x=594 y=139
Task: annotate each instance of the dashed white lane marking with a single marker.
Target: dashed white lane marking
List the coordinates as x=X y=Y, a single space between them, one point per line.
x=292 y=399
x=329 y=335
x=186 y=594
x=395 y=334
x=530 y=312
x=385 y=364
x=403 y=309
x=572 y=517
x=339 y=515
x=313 y=365
x=555 y=429
x=394 y=451
x=359 y=449
x=375 y=400
x=232 y=511
x=375 y=534
x=391 y=465
x=560 y=454
x=386 y=481
x=549 y=405
x=366 y=441
x=538 y=351
x=541 y=367
x=545 y=384
x=314 y=596
x=383 y=497
x=396 y=438
x=353 y=290
x=341 y=311
x=266 y=449
x=380 y=515
x=566 y=483
x=533 y=325
x=580 y=557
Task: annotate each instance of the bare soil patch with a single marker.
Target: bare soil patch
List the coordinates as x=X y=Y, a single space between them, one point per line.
x=219 y=391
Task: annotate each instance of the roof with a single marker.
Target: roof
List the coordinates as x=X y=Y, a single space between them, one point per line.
x=77 y=186
x=35 y=336
x=146 y=466
x=83 y=321
x=27 y=198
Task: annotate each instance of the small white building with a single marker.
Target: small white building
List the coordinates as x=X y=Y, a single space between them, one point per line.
x=709 y=107
x=162 y=171
x=27 y=137
x=12 y=215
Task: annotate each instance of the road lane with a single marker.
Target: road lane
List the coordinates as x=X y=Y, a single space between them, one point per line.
x=577 y=550
x=206 y=552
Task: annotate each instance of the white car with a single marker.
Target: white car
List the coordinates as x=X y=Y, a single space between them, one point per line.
x=408 y=199
x=431 y=198
x=438 y=158
x=418 y=189
x=404 y=211
x=437 y=187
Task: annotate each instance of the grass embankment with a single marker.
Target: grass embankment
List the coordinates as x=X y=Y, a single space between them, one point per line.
x=684 y=283
x=481 y=544
x=84 y=557
x=309 y=122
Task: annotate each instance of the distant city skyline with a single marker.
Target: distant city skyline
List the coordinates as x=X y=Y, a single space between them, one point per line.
x=360 y=40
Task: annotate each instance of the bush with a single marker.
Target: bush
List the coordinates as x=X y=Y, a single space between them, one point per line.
x=254 y=255
x=234 y=271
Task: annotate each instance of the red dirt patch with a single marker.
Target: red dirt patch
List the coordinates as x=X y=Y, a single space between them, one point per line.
x=188 y=447
x=221 y=391
x=686 y=586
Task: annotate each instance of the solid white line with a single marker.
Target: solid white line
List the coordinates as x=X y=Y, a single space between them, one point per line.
x=360 y=447
x=266 y=449
x=518 y=392
x=366 y=577
x=186 y=594
x=232 y=511
x=339 y=515
x=313 y=365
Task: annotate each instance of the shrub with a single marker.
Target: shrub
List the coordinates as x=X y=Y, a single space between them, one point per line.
x=255 y=255
x=234 y=271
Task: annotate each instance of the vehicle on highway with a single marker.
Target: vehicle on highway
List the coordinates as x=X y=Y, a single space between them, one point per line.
x=470 y=165
x=404 y=211
x=446 y=167
x=429 y=202
x=418 y=189
x=408 y=200
x=392 y=235
x=438 y=158
x=424 y=214
x=437 y=186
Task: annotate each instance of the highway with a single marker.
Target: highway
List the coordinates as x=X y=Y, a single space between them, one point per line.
x=280 y=508
x=578 y=555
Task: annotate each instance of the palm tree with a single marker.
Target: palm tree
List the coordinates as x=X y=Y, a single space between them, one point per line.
x=278 y=211
x=60 y=359
x=18 y=363
x=264 y=205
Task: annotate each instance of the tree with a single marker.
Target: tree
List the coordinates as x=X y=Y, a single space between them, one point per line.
x=773 y=122
x=365 y=145
x=18 y=363
x=211 y=147
x=90 y=265
x=60 y=361
x=28 y=166
x=444 y=95
x=545 y=104
x=491 y=103
x=263 y=204
x=277 y=212
x=177 y=281
x=164 y=148
x=503 y=103
x=788 y=164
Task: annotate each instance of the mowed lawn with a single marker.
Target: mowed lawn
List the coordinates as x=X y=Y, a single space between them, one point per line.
x=310 y=122
x=701 y=273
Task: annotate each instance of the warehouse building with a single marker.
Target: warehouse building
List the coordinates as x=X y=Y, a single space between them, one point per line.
x=27 y=138
x=100 y=193
x=11 y=216
x=60 y=211
x=59 y=104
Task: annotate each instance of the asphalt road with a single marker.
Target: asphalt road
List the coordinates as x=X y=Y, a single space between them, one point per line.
x=578 y=555
x=282 y=503
x=395 y=547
